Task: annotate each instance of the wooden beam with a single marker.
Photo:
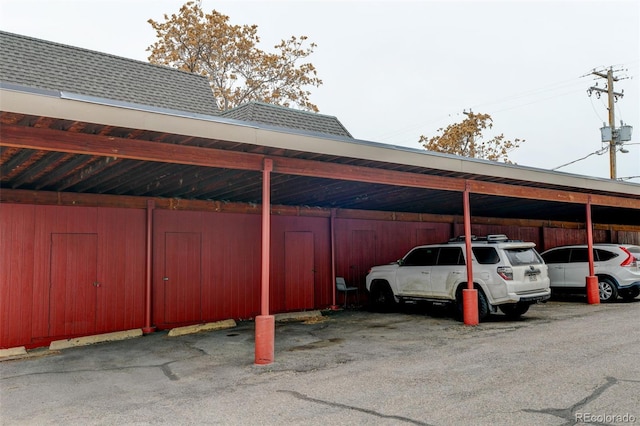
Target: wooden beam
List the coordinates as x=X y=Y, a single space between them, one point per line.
x=327 y=170
x=82 y=143
x=89 y=144
x=543 y=194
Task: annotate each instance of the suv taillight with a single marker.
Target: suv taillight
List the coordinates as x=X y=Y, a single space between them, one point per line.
x=505 y=272
x=630 y=260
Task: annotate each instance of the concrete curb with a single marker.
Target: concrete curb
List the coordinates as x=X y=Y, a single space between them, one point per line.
x=13 y=352
x=129 y=334
x=190 y=329
x=98 y=338
x=298 y=316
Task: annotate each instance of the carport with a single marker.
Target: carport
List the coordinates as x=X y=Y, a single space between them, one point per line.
x=65 y=149
x=129 y=201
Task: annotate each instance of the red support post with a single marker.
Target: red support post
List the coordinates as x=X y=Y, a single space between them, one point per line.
x=593 y=290
x=469 y=294
x=265 y=323
x=148 y=328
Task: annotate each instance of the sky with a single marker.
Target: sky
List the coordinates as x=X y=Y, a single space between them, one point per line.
x=395 y=70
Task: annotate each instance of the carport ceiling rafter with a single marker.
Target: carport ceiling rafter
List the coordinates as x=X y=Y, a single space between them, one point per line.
x=110 y=146
x=119 y=161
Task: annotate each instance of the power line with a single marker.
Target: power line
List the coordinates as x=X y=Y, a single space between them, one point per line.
x=598 y=152
x=559 y=89
x=529 y=93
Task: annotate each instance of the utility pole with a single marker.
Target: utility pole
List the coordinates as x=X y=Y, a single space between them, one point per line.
x=612 y=97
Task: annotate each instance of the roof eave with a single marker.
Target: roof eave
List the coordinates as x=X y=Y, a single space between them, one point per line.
x=119 y=114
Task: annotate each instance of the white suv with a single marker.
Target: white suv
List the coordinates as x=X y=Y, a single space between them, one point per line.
x=509 y=275
x=616 y=266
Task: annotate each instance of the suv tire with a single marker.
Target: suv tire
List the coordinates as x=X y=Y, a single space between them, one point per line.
x=382 y=299
x=514 y=310
x=607 y=289
x=630 y=294
x=483 y=305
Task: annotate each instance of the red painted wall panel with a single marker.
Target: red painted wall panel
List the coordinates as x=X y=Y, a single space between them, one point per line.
x=627 y=237
x=182 y=278
x=319 y=228
x=121 y=269
x=554 y=237
x=231 y=266
x=17 y=223
x=361 y=244
x=299 y=271
x=230 y=253
x=230 y=261
x=53 y=220
x=25 y=283
x=524 y=233
x=73 y=291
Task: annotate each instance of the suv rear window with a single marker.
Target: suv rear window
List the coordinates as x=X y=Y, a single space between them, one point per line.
x=523 y=256
x=486 y=255
x=602 y=255
x=579 y=255
x=450 y=256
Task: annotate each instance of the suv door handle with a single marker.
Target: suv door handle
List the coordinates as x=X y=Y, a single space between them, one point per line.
x=425 y=272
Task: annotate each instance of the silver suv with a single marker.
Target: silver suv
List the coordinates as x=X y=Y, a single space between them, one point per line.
x=510 y=276
x=616 y=266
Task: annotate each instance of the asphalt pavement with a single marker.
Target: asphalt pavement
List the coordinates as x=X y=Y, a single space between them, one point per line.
x=564 y=363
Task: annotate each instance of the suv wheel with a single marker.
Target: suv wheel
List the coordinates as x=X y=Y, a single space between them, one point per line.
x=483 y=305
x=514 y=310
x=630 y=294
x=382 y=299
x=608 y=290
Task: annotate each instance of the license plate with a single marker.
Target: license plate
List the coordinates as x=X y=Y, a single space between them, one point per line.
x=533 y=277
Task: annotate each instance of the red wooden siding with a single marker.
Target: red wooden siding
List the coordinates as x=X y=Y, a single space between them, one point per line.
x=524 y=233
x=230 y=279
x=554 y=237
x=182 y=279
x=17 y=224
x=311 y=234
x=230 y=266
x=626 y=237
x=361 y=244
x=68 y=271
x=73 y=290
x=121 y=269
x=227 y=256
x=47 y=278
x=298 y=271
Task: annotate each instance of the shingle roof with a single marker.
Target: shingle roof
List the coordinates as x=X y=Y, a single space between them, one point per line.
x=43 y=64
x=32 y=62
x=280 y=116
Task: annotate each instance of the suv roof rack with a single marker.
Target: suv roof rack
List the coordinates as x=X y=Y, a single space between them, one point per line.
x=490 y=238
